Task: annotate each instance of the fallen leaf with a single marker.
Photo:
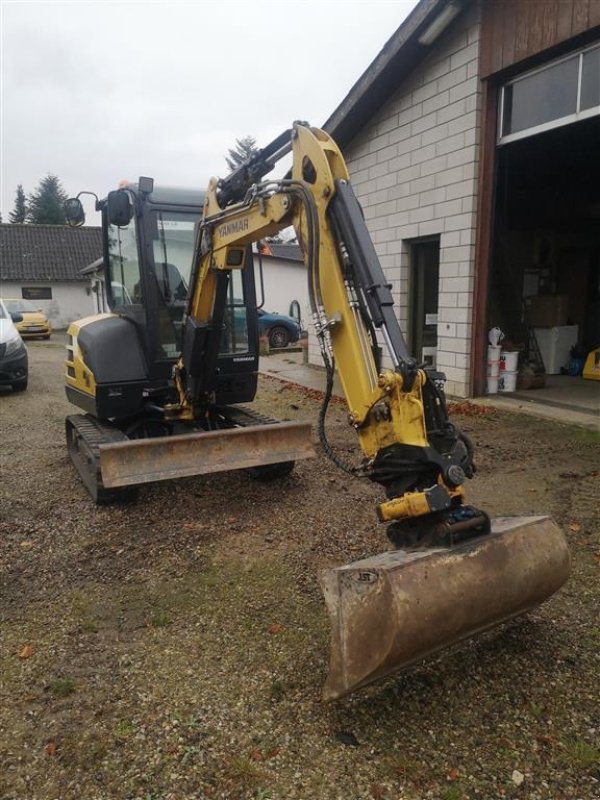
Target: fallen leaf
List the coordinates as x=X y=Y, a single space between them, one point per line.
x=275 y=628
x=26 y=544
x=230 y=520
x=453 y=774
x=256 y=755
x=575 y=527
x=50 y=749
x=27 y=651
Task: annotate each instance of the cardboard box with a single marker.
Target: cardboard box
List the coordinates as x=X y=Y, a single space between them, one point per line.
x=548 y=311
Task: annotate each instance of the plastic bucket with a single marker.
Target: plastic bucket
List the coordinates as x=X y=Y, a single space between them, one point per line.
x=509 y=360
x=493 y=368
x=492 y=384
x=507 y=382
x=493 y=361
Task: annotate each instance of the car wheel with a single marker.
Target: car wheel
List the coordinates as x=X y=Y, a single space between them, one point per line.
x=278 y=337
x=20 y=386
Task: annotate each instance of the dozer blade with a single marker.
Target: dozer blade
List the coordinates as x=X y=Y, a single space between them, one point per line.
x=146 y=460
x=393 y=609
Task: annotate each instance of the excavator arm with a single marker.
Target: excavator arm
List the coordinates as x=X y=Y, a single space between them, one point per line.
x=399 y=414
x=453 y=573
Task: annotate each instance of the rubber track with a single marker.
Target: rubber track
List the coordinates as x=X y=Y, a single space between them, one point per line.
x=92 y=433
x=244 y=417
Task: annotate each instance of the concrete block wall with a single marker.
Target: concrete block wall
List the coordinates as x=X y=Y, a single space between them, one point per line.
x=414 y=169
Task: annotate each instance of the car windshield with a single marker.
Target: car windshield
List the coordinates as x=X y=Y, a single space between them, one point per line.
x=20 y=306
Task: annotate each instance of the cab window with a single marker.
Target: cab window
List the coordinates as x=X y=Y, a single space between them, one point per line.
x=125 y=286
x=172 y=248
x=235 y=320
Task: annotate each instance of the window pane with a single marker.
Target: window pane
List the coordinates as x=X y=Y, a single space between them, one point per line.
x=235 y=320
x=173 y=248
x=545 y=96
x=590 y=79
x=123 y=265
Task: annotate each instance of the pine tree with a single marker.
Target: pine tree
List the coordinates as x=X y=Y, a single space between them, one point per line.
x=46 y=203
x=19 y=212
x=243 y=150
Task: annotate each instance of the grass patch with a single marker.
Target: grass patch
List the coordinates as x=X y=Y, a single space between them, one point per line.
x=452 y=793
x=244 y=773
x=62 y=687
x=588 y=435
x=89 y=625
x=124 y=728
x=582 y=754
x=160 y=619
x=406 y=767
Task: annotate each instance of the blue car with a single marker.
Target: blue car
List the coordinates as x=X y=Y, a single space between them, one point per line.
x=279 y=330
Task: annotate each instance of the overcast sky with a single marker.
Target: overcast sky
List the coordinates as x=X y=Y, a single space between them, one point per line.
x=98 y=91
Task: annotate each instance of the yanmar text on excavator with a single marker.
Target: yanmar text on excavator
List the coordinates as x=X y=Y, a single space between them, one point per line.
x=162 y=376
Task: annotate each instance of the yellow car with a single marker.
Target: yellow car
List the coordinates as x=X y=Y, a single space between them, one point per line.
x=35 y=322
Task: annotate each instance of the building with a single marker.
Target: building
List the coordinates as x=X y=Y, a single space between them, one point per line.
x=473 y=143
x=285 y=280
x=43 y=263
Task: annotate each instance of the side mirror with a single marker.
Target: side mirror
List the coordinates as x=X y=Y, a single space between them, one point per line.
x=16 y=317
x=119 y=209
x=74 y=213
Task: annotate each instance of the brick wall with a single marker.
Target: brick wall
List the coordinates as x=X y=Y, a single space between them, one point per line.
x=414 y=169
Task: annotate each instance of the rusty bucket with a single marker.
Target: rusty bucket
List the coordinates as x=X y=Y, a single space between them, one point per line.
x=393 y=609
x=140 y=461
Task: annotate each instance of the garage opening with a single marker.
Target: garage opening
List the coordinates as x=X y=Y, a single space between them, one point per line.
x=545 y=271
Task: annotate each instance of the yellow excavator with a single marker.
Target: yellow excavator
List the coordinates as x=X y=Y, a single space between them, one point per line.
x=453 y=572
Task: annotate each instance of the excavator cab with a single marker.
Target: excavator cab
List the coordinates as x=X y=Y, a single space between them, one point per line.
x=120 y=364
x=148 y=244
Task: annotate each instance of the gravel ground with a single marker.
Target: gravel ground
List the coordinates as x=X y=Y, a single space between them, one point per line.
x=174 y=648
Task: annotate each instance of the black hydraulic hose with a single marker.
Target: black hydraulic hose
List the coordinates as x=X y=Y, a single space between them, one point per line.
x=328 y=450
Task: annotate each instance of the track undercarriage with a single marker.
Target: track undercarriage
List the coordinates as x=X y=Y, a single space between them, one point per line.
x=112 y=461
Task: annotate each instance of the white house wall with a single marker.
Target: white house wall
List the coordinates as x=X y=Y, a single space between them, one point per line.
x=414 y=169
x=70 y=301
x=284 y=281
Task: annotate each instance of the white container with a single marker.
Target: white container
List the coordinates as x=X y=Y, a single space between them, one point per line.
x=509 y=360
x=493 y=361
x=555 y=346
x=493 y=368
x=492 y=385
x=507 y=382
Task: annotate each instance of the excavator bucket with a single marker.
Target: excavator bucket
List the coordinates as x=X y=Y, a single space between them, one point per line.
x=392 y=610
x=137 y=461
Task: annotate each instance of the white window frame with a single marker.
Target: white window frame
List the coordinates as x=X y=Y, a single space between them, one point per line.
x=555 y=123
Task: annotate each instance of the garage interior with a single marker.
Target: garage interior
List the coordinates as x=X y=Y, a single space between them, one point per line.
x=544 y=289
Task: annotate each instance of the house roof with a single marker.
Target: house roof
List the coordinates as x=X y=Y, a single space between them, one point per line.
x=47 y=252
x=398 y=58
